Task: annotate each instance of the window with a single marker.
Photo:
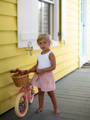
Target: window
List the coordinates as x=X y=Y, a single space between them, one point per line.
x=35 y=17
x=46 y=18
x=49 y=18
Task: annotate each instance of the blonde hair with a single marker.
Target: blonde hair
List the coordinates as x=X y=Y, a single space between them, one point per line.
x=43 y=36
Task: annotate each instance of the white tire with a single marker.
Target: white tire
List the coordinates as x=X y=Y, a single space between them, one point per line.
x=32 y=98
x=20 y=97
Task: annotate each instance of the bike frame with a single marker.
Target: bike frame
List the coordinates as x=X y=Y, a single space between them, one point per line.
x=27 y=91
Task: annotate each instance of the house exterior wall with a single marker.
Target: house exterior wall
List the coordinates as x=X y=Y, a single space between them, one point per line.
x=67 y=54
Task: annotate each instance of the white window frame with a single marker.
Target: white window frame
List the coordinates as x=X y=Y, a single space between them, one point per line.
x=48 y=1
x=63 y=21
x=56 y=23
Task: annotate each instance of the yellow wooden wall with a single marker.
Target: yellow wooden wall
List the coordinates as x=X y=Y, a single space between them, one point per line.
x=88 y=27
x=67 y=55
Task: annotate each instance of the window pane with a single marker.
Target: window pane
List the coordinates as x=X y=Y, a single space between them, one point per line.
x=44 y=17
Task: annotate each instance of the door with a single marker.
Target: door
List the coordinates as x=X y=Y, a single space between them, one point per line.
x=83 y=35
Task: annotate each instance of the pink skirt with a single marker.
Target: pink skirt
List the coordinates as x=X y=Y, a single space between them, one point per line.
x=45 y=81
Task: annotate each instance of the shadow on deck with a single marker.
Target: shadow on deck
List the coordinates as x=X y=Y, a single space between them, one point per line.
x=73 y=95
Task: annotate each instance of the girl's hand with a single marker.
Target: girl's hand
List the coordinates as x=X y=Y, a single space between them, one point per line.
x=14 y=71
x=18 y=70
x=39 y=71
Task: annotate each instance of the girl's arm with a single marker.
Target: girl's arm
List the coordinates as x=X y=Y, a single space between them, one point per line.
x=33 y=69
x=52 y=67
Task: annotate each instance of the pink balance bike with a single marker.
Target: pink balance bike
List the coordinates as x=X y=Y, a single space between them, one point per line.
x=25 y=94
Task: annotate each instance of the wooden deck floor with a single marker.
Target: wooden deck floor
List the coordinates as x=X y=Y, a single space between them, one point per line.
x=73 y=95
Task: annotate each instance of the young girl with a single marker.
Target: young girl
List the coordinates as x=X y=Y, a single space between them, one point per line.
x=43 y=77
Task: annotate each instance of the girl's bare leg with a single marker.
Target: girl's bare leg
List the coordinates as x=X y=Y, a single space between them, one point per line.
x=41 y=101
x=54 y=101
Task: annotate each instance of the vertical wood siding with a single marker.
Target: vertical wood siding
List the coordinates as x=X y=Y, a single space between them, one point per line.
x=67 y=54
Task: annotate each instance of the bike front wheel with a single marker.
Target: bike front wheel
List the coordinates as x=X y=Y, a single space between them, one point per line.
x=32 y=98
x=21 y=106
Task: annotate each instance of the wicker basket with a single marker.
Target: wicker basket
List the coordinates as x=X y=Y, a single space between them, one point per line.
x=20 y=80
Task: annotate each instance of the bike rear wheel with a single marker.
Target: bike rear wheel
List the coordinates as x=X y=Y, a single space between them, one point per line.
x=21 y=106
